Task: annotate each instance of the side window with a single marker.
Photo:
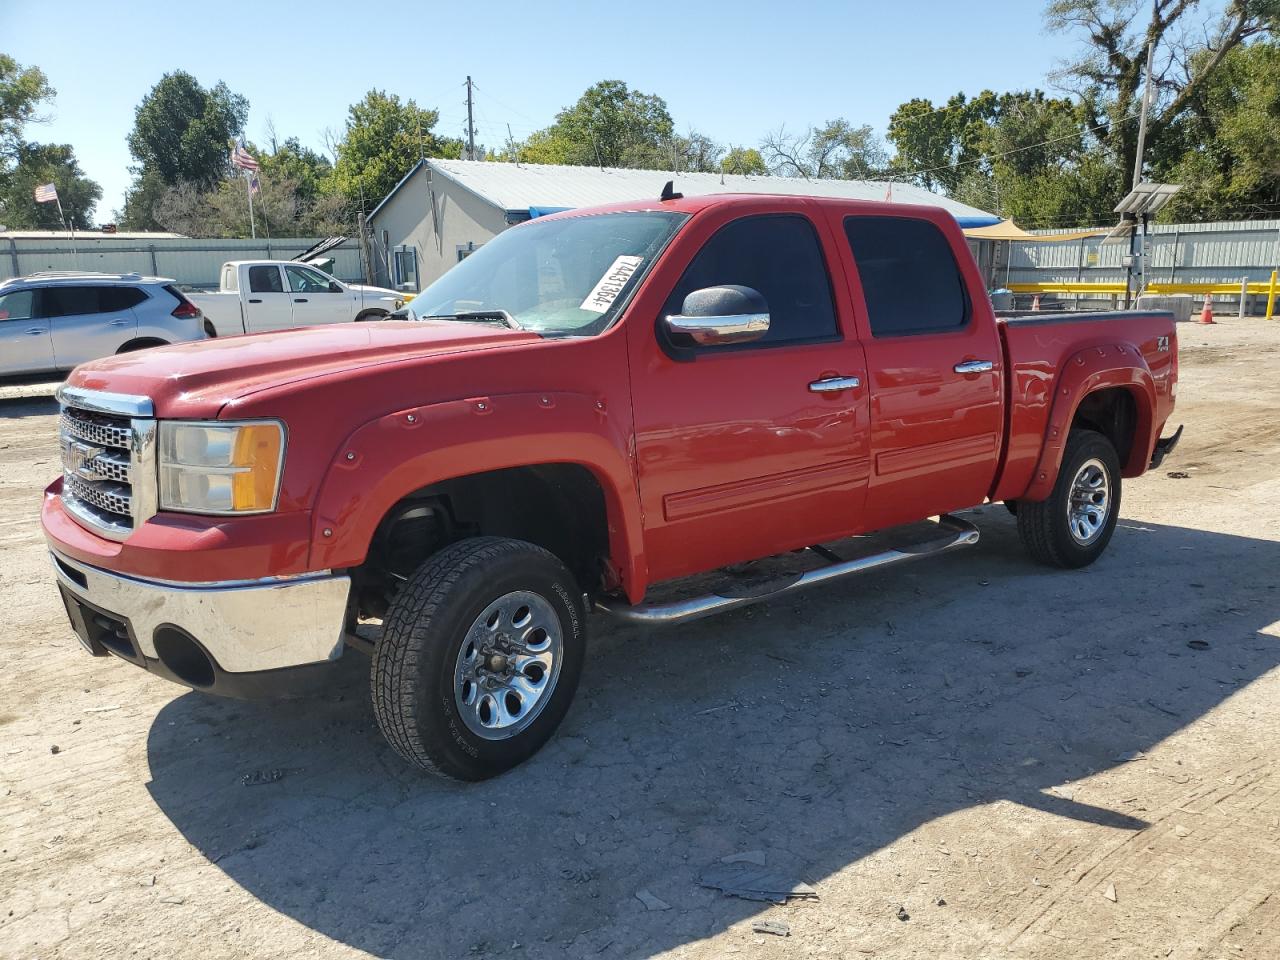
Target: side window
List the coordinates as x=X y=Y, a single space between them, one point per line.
x=19 y=305
x=302 y=280
x=71 y=301
x=910 y=278
x=120 y=298
x=265 y=280
x=780 y=257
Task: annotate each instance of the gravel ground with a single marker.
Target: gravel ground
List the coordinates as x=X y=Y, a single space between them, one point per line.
x=968 y=757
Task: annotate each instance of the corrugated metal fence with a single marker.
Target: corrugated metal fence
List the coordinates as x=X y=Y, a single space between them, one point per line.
x=1217 y=253
x=190 y=262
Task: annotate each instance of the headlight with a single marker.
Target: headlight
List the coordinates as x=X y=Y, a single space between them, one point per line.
x=220 y=467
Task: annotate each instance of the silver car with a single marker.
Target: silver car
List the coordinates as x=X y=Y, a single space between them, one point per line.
x=50 y=322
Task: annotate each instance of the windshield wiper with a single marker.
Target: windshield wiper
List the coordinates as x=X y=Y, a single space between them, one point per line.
x=479 y=316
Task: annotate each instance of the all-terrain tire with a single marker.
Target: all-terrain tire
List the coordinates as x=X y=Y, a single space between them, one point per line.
x=1046 y=527
x=415 y=661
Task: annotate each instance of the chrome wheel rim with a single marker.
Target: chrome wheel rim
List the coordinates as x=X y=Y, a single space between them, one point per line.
x=1089 y=502
x=508 y=665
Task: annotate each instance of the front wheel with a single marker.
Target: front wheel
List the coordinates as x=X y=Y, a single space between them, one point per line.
x=480 y=655
x=1074 y=525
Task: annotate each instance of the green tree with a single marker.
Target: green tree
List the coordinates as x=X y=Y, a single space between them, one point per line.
x=383 y=139
x=744 y=160
x=290 y=161
x=41 y=163
x=836 y=150
x=1222 y=149
x=1108 y=75
x=182 y=133
x=611 y=125
x=935 y=146
x=23 y=90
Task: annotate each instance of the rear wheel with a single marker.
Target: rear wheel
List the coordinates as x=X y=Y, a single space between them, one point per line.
x=479 y=658
x=1074 y=525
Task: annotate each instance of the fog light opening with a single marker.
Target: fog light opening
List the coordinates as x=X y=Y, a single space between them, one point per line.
x=184 y=657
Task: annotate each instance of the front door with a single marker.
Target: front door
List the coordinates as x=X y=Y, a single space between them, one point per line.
x=25 y=346
x=739 y=454
x=937 y=404
x=88 y=322
x=268 y=306
x=316 y=298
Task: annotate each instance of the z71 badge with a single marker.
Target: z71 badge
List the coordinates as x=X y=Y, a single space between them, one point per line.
x=1162 y=344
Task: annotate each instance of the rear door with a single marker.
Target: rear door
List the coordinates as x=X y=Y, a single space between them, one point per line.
x=268 y=305
x=316 y=298
x=88 y=321
x=25 y=345
x=935 y=366
x=742 y=451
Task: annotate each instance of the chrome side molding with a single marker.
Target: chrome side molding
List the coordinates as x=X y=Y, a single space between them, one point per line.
x=957 y=533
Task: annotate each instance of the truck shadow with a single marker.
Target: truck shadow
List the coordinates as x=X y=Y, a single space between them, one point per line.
x=817 y=731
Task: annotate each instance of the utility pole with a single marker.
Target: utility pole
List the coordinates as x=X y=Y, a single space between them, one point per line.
x=1141 y=252
x=471 y=129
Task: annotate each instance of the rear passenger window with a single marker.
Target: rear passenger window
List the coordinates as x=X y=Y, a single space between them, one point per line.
x=119 y=298
x=780 y=257
x=265 y=280
x=70 y=301
x=910 y=278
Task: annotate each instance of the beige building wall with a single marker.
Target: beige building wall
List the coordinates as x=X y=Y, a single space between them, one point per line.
x=436 y=217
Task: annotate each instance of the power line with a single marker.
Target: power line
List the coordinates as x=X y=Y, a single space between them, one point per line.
x=1022 y=149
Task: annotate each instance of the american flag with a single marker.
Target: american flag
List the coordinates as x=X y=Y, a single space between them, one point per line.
x=254 y=185
x=46 y=193
x=240 y=157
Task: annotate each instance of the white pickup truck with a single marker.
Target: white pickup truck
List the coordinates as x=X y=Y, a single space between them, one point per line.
x=258 y=295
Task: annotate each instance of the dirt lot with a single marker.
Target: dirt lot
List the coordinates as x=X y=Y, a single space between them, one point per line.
x=974 y=757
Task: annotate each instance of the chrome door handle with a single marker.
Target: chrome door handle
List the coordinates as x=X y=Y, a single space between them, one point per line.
x=35 y=331
x=835 y=384
x=974 y=366
x=118 y=322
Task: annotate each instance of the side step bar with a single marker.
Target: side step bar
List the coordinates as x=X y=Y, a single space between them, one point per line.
x=959 y=533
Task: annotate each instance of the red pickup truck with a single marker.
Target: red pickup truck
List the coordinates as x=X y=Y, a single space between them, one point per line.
x=593 y=403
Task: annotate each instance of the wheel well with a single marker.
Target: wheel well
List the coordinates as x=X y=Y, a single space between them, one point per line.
x=371 y=315
x=210 y=329
x=558 y=506
x=1114 y=414
x=142 y=343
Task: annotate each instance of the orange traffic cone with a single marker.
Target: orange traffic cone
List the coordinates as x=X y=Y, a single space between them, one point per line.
x=1035 y=302
x=1206 y=315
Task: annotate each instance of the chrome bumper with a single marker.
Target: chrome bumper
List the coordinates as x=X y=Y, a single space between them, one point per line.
x=244 y=626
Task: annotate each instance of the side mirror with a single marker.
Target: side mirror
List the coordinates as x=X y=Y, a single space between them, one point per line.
x=716 y=316
x=334 y=287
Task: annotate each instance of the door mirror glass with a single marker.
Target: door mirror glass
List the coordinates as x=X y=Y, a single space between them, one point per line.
x=716 y=316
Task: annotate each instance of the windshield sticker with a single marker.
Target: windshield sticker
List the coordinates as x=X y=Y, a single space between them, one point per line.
x=606 y=291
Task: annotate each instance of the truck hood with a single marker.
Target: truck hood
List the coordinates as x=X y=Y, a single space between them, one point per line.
x=197 y=379
x=375 y=292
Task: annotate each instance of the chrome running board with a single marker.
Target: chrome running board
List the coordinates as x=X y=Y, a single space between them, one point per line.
x=959 y=533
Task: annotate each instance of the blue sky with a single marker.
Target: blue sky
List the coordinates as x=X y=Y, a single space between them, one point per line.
x=731 y=70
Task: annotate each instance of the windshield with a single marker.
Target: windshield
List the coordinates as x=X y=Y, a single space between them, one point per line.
x=563 y=276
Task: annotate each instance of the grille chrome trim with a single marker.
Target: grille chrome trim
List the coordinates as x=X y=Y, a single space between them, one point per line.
x=109 y=461
x=99 y=401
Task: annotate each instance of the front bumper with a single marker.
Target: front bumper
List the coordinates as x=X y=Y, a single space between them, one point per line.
x=237 y=638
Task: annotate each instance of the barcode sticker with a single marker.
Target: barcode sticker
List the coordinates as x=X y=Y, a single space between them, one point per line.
x=606 y=291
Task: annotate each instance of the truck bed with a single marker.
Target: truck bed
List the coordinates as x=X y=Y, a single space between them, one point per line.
x=1040 y=347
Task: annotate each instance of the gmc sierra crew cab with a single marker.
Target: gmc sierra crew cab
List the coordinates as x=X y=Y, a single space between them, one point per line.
x=592 y=408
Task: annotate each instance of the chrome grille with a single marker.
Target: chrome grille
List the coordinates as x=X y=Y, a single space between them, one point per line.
x=110 y=497
x=98 y=428
x=108 y=460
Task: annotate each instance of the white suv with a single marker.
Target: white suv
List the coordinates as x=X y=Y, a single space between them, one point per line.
x=51 y=322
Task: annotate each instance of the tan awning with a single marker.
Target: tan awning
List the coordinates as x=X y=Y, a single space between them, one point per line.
x=1008 y=230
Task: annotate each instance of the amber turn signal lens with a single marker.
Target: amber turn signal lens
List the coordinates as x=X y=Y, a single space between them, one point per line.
x=257 y=454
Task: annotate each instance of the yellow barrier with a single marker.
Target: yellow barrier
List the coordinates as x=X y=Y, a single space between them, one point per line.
x=1105 y=289
x=1271 y=296
x=1270 y=289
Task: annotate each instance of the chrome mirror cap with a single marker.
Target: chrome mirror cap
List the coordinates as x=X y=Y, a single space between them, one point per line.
x=721 y=330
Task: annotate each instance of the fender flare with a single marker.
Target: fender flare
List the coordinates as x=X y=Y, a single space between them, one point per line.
x=1087 y=371
x=391 y=456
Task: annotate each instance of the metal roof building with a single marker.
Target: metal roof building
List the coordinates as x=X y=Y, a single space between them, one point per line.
x=444 y=209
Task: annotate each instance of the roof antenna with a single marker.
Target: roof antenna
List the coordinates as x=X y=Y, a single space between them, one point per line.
x=669 y=192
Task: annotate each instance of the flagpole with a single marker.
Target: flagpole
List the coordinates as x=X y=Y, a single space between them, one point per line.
x=248 y=186
x=68 y=227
